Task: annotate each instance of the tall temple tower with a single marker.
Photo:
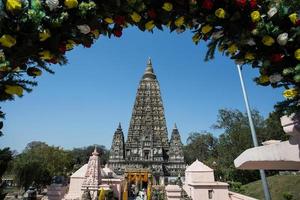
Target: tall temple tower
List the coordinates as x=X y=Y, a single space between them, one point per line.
x=93 y=174
x=147 y=144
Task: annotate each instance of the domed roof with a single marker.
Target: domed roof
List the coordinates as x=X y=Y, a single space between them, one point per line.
x=198 y=166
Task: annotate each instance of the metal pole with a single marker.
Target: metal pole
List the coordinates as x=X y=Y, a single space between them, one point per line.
x=253 y=133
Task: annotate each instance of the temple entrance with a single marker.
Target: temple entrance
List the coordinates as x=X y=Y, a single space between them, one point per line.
x=137 y=184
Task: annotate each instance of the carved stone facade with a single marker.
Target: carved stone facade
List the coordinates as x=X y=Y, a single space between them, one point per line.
x=89 y=179
x=176 y=157
x=93 y=174
x=147 y=144
x=117 y=151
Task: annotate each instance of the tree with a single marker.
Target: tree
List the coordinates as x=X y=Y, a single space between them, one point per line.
x=200 y=146
x=38 y=163
x=236 y=139
x=32 y=172
x=219 y=153
x=34 y=145
x=273 y=129
x=287 y=196
x=5 y=158
x=82 y=155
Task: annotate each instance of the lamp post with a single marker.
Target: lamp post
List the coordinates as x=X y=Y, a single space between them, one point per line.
x=253 y=133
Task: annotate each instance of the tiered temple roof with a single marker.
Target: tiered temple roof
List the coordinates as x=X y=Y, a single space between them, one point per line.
x=147 y=144
x=93 y=173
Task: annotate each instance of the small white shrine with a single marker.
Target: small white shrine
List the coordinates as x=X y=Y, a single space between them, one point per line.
x=93 y=177
x=200 y=184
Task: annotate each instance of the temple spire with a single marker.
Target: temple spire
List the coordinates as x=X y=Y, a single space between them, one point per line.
x=149 y=73
x=149 y=61
x=117 y=148
x=175 y=126
x=147 y=144
x=92 y=176
x=95 y=153
x=176 y=147
x=148 y=118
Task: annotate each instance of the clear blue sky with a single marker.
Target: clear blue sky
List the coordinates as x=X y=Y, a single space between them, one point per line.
x=85 y=100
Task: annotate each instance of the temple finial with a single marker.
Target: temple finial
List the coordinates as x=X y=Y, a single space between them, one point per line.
x=95 y=153
x=149 y=73
x=175 y=126
x=119 y=126
x=149 y=61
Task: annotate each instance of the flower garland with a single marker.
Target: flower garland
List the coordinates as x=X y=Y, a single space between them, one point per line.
x=262 y=33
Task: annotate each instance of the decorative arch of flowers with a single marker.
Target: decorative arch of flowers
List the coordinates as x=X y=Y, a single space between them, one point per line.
x=262 y=33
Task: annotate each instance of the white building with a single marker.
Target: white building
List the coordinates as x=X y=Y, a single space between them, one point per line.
x=93 y=177
x=200 y=184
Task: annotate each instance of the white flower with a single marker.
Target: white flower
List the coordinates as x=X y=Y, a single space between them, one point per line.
x=85 y=29
x=195 y=22
x=2 y=55
x=254 y=31
x=272 y=12
x=52 y=4
x=217 y=35
x=239 y=62
x=282 y=39
x=179 y=30
x=275 y=78
x=251 y=42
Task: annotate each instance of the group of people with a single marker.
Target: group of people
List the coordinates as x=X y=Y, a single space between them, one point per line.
x=136 y=194
x=142 y=195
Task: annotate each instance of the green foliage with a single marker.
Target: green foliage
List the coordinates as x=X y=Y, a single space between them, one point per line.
x=273 y=129
x=2 y=116
x=34 y=34
x=81 y=155
x=5 y=158
x=38 y=163
x=219 y=153
x=278 y=185
x=236 y=187
x=235 y=139
x=201 y=146
x=109 y=195
x=31 y=173
x=158 y=193
x=287 y=196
